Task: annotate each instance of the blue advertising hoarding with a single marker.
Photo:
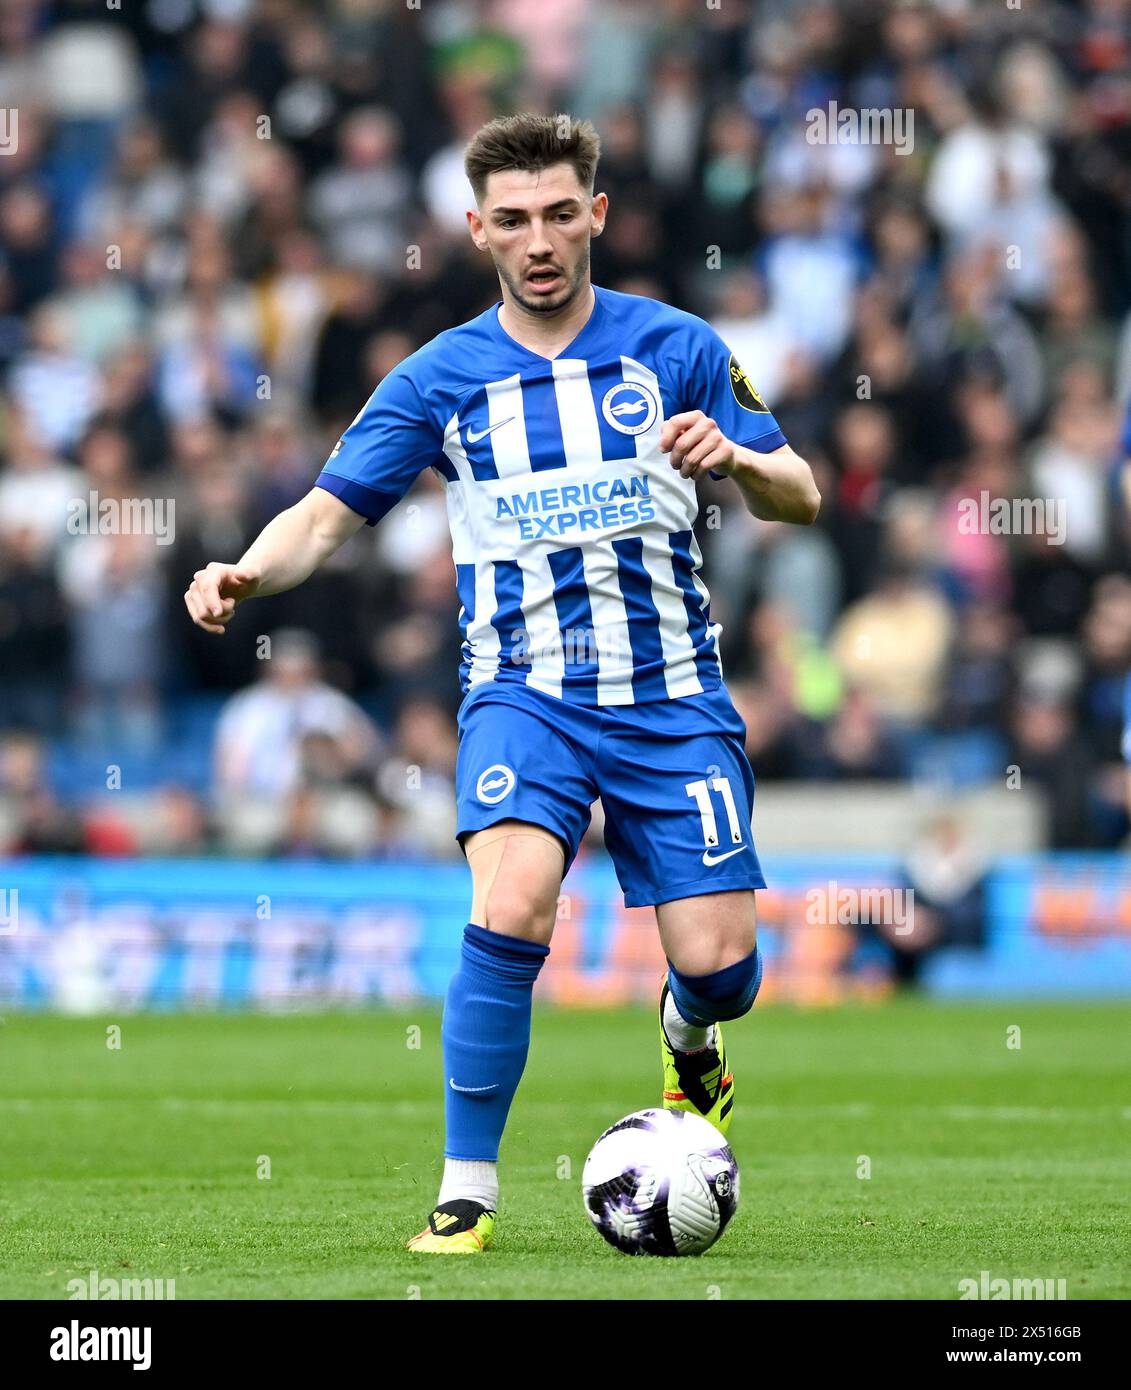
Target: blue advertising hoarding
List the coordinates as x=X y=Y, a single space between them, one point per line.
x=87 y=934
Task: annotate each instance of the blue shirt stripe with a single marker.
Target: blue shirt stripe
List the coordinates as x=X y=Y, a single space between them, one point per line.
x=465 y=587
x=643 y=620
x=543 y=426
x=476 y=417
x=575 y=623
x=509 y=623
x=698 y=613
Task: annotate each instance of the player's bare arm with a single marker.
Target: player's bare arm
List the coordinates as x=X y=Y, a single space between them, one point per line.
x=777 y=486
x=286 y=552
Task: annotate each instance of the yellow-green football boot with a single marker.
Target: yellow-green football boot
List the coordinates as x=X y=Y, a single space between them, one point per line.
x=460 y=1227
x=699 y=1081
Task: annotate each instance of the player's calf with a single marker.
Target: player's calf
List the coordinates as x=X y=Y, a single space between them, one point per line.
x=693 y=1006
x=516 y=871
x=696 y=1072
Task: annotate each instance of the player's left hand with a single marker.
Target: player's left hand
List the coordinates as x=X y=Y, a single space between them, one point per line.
x=697 y=445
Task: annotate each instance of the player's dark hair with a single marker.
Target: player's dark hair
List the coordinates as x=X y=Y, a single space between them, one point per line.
x=531 y=142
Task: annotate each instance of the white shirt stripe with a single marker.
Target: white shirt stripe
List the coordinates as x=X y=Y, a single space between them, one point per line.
x=675 y=640
x=610 y=622
x=648 y=442
x=508 y=442
x=543 y=647
x=713 y=629
x=481 y=632
x=581 y=434
x=457 y=454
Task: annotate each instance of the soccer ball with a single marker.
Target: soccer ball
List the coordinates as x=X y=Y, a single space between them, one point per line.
x=661 y=1182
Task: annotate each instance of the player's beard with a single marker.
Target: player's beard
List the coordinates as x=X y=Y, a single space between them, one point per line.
x=549 y=304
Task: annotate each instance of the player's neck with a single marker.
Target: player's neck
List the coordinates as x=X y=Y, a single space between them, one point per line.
x=547 y=334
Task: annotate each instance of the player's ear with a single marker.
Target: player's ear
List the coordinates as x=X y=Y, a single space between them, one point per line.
x=475 y=226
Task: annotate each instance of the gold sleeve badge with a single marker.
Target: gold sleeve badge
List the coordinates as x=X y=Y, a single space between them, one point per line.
x=743 y=388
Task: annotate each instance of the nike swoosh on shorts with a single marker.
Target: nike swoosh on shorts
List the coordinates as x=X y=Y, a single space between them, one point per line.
x=709 y=858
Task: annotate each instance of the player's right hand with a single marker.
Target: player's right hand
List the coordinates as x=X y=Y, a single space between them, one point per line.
x=212 y=596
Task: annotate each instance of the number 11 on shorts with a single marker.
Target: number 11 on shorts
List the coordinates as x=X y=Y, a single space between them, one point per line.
x=702 y=796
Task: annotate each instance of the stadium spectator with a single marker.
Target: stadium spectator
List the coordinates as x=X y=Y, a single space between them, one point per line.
x=118 y=617
x=32 y=819
x=418 y=779
x=361 y=204
x=893 y=645
x=51 y=383
x=944 y=875
x=33 y=634
x=36 y=486
x=259 y=739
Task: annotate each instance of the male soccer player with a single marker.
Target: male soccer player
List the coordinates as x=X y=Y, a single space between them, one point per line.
x=569 y=425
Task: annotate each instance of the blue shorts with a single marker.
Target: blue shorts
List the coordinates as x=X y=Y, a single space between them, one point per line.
x=672 y=775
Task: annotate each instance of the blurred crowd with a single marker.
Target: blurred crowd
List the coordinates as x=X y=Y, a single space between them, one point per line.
x=221 y=224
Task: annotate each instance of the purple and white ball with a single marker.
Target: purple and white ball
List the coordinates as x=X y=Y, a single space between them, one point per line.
x=661 y=1182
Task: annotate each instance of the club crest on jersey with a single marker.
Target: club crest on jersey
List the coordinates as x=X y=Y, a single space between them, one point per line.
x=743 y=388
x=494 y=783
x=630 y=407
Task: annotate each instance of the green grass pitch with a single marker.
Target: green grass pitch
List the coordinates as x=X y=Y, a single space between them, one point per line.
x=142 y=1162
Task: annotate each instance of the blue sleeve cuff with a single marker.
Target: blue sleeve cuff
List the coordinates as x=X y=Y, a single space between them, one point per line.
x=366 y=501
x=764 y=444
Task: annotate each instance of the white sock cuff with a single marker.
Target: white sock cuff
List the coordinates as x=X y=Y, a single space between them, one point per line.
x=472 y=1179
x=684 y=1036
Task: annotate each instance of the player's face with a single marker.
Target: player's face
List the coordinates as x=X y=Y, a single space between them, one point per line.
x=537 y=227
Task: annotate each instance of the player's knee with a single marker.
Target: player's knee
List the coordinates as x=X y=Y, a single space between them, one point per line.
x=704 y=934
x=516 y=873
x=516 y=909
x=712 y=954
x=705 y=952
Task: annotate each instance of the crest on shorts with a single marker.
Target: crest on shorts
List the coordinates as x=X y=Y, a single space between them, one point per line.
x=743 y=388
x=495 y=783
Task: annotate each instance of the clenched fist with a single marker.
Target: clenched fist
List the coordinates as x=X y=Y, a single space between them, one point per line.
x=697 y=445
x=212 y=596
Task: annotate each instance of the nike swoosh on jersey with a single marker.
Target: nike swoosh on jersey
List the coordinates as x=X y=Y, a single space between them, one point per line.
x=471 y=1090
x=709 y=858
x=474 y=436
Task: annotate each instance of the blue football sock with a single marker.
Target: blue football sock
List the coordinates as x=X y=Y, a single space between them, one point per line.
x=726 y=993
x=486 y=1036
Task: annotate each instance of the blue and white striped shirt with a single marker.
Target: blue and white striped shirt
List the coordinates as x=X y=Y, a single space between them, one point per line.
x=576 y=562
